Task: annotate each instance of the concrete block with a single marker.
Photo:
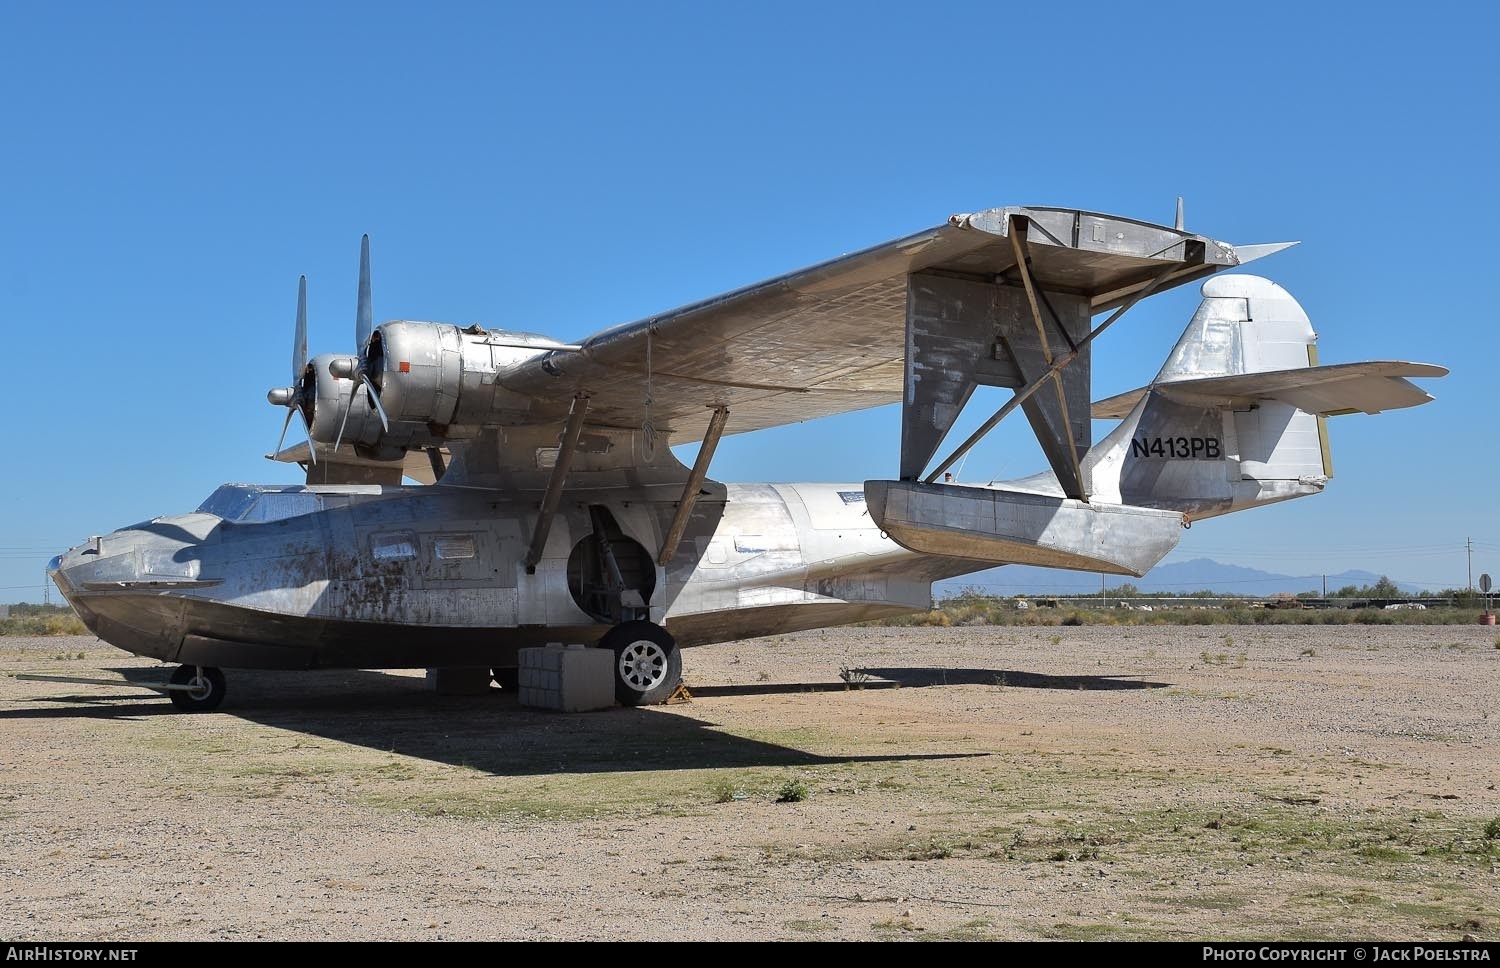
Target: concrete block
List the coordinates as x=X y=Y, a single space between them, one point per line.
x=567 y=678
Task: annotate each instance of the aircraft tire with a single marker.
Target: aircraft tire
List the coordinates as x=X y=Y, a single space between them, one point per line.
x=207 y=694
x=648 y=664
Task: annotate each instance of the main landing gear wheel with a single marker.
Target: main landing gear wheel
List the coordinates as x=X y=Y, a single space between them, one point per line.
x=205 y=688
x=648 y=665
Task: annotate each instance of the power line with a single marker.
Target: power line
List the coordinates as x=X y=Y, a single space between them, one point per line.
x=1288 y=579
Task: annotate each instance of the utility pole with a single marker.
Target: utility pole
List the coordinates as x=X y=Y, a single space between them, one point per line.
x=46 y=590
x=1469 y=547
x=1102 y=588
x=1325 y=586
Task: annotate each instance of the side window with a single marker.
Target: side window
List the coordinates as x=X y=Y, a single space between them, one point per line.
x=392 y=546
x=453 y=547
x=456 y=557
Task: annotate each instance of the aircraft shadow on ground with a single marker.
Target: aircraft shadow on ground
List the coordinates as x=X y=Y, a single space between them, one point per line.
x=491 y=733
x=914 y=678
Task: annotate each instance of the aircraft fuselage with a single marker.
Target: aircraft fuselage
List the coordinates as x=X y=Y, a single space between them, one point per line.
x=411 y=577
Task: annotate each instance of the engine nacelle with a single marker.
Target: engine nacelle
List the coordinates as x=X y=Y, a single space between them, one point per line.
x=419 y=369
x=446 y=379
x=437 y=383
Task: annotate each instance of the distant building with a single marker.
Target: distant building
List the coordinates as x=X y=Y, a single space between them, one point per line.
x=4 y=612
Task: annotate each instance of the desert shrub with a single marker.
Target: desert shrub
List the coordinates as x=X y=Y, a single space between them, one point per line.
x=68 y=624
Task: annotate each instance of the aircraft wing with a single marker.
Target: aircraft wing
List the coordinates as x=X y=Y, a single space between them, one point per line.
x=1325 y=390
x=832 y=338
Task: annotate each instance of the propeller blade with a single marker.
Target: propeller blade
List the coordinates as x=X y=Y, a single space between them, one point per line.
x=284 y=424
x=312 y=448
x=337 y=441
x=364 y=323
x=299 y=342
x=375 y=399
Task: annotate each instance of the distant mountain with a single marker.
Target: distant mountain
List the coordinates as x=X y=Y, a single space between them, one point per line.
x=1175 y=576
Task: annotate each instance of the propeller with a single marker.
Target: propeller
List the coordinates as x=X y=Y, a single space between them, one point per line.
x=303 y=385
x=356 y=368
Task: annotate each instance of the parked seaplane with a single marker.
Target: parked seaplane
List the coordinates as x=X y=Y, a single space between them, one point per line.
x=549 y=505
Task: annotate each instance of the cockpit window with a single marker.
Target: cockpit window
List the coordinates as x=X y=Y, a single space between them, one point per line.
x=248 y=504
x=228 y=502
x=276 y=505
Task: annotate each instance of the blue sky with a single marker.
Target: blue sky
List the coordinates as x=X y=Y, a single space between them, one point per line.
x=169 y=169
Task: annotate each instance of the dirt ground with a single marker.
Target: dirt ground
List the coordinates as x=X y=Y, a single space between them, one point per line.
x=1242 y=782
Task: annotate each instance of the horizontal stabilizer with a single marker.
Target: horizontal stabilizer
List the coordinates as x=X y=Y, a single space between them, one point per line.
x=1324 y=390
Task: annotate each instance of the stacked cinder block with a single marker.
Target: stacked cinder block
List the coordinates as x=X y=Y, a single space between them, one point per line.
x=569 y=679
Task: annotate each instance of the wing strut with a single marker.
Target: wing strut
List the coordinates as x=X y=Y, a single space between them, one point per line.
x=553 y=495
x=694 y=485
x=435 y=458
x=1023 y=394
x=1018 y=228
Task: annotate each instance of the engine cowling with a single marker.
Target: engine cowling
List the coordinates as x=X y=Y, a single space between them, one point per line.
x=331 y=396
x=437 y=383
x=449 y=380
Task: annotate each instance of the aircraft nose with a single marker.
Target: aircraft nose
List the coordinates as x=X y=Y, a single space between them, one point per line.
x=103 y=559
x=63 y=570
x=55 y=574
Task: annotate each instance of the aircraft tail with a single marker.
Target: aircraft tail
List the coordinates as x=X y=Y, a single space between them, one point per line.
x=1234 y=420
x=1236 y=417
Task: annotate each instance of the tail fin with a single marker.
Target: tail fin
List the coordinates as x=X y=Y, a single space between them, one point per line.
x=1235 y=418
x=1245 y=324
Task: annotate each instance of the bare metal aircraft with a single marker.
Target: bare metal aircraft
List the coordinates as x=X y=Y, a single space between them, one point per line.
x=550 y=506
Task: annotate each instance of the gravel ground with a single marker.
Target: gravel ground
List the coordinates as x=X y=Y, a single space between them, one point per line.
x=1223 y=782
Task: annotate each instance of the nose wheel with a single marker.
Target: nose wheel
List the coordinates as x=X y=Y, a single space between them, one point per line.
x=197 y=689
x=648 y=665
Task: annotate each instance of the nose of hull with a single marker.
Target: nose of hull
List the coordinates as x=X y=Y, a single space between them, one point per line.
x=102 y=581
x=62 y=572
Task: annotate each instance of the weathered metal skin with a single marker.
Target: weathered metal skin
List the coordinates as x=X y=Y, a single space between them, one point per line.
x=245 y=588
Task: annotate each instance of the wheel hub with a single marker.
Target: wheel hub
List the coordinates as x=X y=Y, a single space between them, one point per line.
x=643 y=665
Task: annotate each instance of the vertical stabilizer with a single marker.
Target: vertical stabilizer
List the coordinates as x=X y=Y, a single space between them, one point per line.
x=1245 y=324
x=1204 y=458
